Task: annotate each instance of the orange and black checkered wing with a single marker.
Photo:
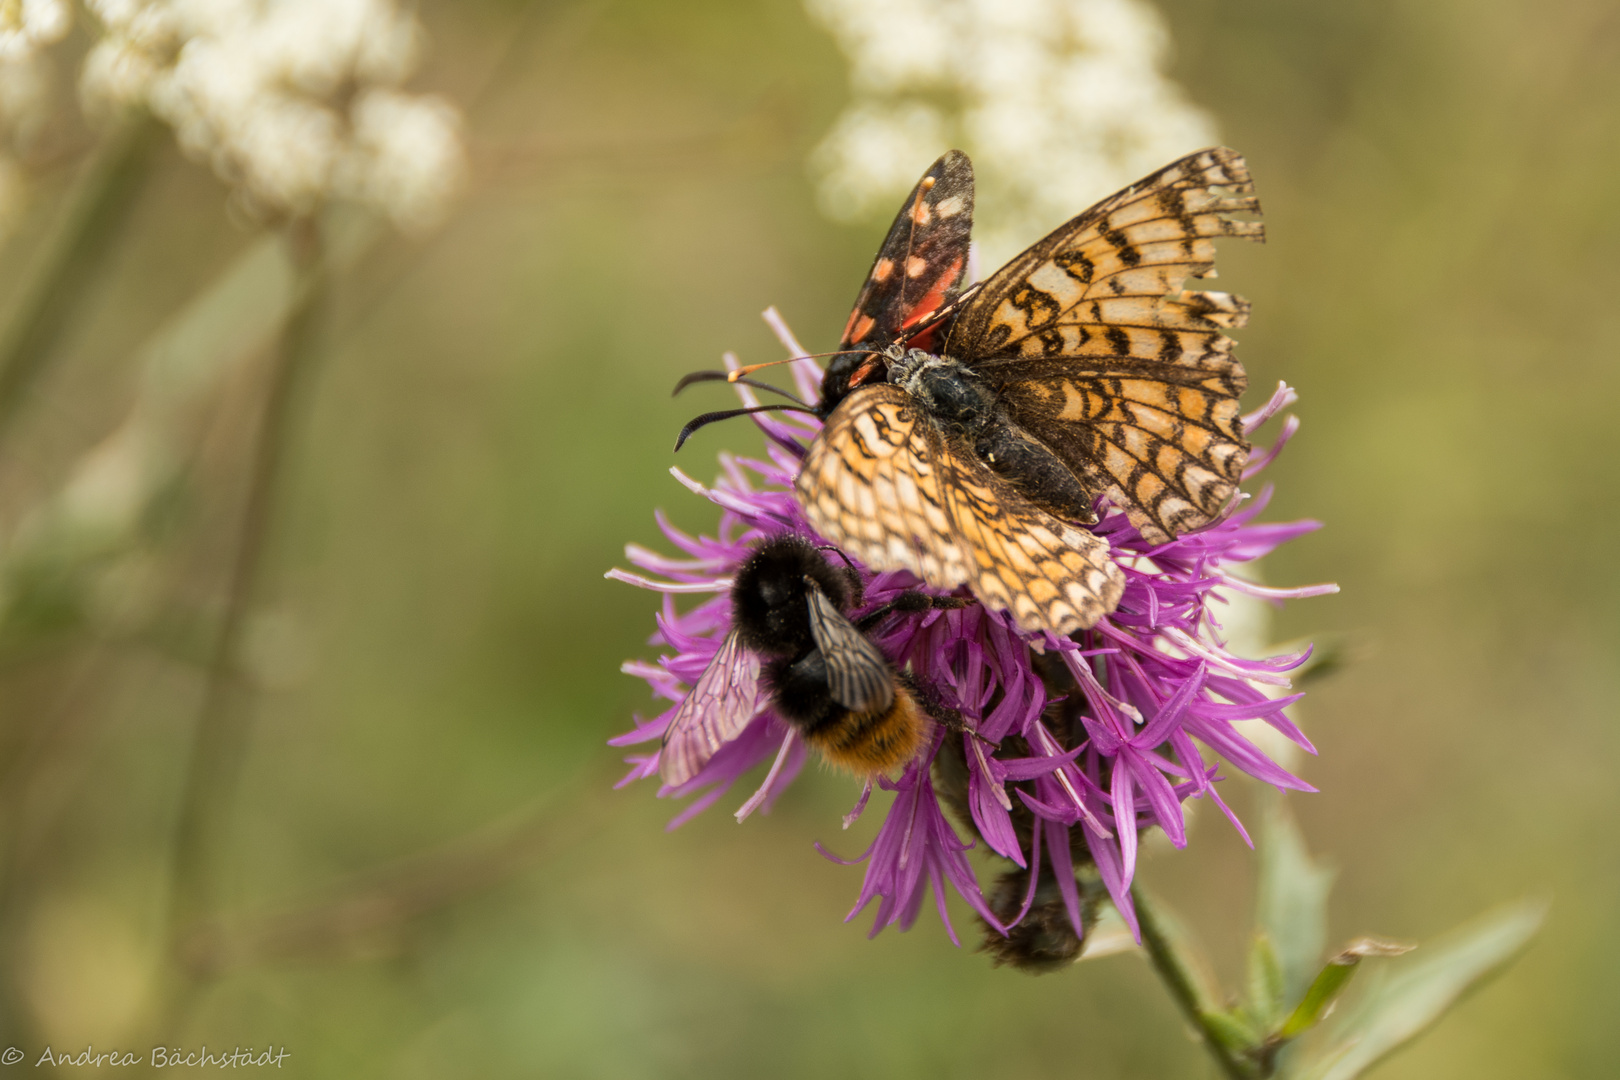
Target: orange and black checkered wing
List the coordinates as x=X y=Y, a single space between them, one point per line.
x=1097 y=350
x=884 y=483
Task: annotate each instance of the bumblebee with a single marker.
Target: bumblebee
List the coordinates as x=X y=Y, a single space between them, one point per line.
x=794 y=649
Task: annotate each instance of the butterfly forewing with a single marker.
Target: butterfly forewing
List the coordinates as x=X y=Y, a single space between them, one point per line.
x=858 y=676
x=1098 y=351
x=871 y=484
x=920 y=265
x=720 y=704
x=1118 y=266
x=885 y=485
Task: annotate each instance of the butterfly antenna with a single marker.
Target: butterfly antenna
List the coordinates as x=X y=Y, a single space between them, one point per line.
x=710 y=417
x=730 y=376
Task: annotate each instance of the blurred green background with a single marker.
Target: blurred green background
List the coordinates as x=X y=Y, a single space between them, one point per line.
x=425 y=874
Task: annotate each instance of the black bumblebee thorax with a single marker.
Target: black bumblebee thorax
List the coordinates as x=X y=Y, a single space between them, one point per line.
x=770 y=606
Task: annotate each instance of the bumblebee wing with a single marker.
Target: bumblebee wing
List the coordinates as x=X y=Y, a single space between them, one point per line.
x=858 y=676
x=717 y=708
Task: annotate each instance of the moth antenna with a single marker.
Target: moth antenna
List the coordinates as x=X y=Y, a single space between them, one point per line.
x=849 y=566
x=726 y=376
x=710 y=417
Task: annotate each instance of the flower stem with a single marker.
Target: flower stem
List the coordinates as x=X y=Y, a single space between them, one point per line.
x=1167 y=948
x=220 y=738
x=97 y=210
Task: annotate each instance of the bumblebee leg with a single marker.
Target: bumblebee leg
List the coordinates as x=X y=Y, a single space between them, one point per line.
x=950 y=719
x=909 y=602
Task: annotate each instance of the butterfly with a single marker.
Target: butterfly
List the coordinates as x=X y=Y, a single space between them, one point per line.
x=969 y=432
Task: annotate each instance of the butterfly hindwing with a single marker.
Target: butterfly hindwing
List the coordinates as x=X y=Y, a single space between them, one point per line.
x=1159 y=441
x=886 y=485
x=920 y=265
x=1050 y=574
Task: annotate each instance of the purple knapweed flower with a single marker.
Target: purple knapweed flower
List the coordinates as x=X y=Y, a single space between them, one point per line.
x=1076 y=744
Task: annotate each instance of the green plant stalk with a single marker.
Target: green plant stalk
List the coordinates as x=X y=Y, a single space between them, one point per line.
x=220 y=737
x=97 y=211
x=1176 y=972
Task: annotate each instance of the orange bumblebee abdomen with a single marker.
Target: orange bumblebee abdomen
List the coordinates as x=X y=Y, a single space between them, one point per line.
x=871 y=743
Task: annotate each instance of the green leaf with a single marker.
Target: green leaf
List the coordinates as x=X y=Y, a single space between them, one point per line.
x=1292 y=898
x=1332 y=980
x=1233 y=1032
x=1265 y=1002
x=1414 y=993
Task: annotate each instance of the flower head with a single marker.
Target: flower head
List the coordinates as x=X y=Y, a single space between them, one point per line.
x=291 y=101
x=1071 y=746
x=1059 y=100
x=25 y=25
x=28 y=28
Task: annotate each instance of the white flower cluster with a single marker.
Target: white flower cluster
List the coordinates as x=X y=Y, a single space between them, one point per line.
x=292 y=101
x=1059 y=102
x=26 y=25
x=26 y=28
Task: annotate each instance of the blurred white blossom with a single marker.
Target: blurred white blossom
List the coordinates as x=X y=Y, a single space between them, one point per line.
x=27 y=27
x=292 y=101
x=1059 y=102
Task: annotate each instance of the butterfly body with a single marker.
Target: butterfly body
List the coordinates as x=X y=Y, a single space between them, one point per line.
x=970 y=413
x=968 y=433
